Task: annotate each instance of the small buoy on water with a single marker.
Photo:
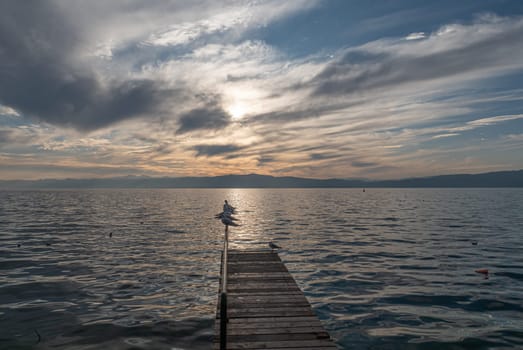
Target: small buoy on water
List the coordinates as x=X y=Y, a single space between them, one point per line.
x=474 y=242
x=482 y=271
x=110 y=234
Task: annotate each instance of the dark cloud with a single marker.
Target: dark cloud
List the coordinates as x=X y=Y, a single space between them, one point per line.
x=207 y=118
x=235 y=78
x=349 y=63
x=5 y=136
x=41 y=78
x=358 y=71
x=142 y=138
x=86 y=171
x=322 y=156
x=379 y=169
x=360 y=164
x=301 y=112
x=291 y=115
x=265 y=159
x=213 y=150
x=163 y=148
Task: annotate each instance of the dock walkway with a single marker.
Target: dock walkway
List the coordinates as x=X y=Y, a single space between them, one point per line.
x=265 y=307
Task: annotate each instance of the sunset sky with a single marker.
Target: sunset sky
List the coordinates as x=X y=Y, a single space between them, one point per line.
x=319 y=89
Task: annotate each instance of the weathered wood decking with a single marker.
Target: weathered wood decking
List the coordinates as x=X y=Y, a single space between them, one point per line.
x=266 y=308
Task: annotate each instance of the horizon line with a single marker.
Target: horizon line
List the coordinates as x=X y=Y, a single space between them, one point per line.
x=148 y=177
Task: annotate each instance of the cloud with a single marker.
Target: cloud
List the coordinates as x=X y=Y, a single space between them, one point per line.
x=360 y=164
x=443 y=132
x=88 y=65
x=7 y=111
x=491 y=46
x=322 y=156
x=445 y=135
x=233 y=19
x=17 y=138
x=209 y=118
x=213 y=150
x=188 y=32
x=515 y=137
x=263 y=160
x=5 y=136
x=41 y=77
x=493 y=120
x=151 y=67
x=416 y=36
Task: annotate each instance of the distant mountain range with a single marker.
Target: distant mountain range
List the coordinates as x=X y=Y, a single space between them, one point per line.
x=494 y=179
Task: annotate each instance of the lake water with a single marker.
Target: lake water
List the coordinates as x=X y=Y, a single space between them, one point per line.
x=383 y=269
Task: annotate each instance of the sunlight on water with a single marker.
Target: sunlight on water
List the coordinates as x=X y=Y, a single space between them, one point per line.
x=383 y=268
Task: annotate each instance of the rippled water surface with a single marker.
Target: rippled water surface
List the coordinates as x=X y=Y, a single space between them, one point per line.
x=383 y=269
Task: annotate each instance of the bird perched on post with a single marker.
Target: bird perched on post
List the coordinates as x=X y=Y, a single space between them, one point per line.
x=226 y=215
x=228 y=221
x=227 y=208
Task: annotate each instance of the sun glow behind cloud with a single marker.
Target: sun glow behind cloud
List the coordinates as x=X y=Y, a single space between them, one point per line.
x=241 y=100
x=237 y=110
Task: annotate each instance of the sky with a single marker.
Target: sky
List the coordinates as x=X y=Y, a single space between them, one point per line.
x=307 y=88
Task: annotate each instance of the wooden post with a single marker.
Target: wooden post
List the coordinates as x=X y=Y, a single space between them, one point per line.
x=223 y=296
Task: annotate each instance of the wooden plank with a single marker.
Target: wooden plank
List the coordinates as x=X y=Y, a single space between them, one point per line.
x=323 y=347
x=284 y=337
x=264 y=282
x=264 y=312
x=240 y=305
x=323 y=344
x=289 y=292
x=254 y=293
x=275 y=330
x=266 y=289
x=265 y=298
x=261 y=281
x=283 y=324
x=263 y=287
x=266 y=308
x=255 y=258
x=254 y=269
x=274 y=320
x=263 y=328
x=255 y=313
x=298 y=301
x=261 y=274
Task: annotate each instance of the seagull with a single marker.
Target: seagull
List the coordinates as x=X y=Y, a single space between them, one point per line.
x=273 y=246
x=225 y=214
x=228 y=208
x=228 y=221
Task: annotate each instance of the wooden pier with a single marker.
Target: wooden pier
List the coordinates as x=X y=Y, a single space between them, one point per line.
x=265 y=307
